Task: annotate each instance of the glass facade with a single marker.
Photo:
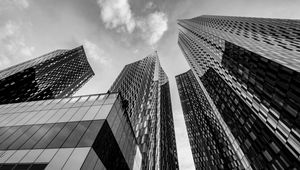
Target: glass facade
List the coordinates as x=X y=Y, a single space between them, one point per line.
x=210 y=145
x=84 y=132
x=248 y=69
x=54 y=75
x=145 y=86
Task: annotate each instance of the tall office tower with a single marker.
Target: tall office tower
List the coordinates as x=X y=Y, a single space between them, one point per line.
x=145 y=85
x=57 y=74
x=248 y=69
x=209 y=142
x=83 y=132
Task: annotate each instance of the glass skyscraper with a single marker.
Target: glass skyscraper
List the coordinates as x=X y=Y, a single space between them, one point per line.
x=54 y=75
x=146 y=87
x=248 y=70
x=211 y=147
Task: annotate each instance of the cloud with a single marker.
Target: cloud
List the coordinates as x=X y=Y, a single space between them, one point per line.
x=95 y=53
x=22 y=4
x=27 y=51
x=135 y=51
x=116 y=14
x=154 y=26
x=13 y=47
x=150 y=5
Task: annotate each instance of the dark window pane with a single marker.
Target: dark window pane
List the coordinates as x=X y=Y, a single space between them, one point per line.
x=7 y=166
x=76 y=135
x=19 y=142
x=91 y=133
x=48 y=137
x=22 y=166
x=14 y=136
x=62 y=136
x=3 y=130
x=108 y=149
x=10 y=131
x=38 y=167
x=36 y=137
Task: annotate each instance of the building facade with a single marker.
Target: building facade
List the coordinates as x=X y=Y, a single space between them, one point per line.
x=146 y=87
x=54 y=75
x=83 y=132
x=211 y=147
x=248 y=70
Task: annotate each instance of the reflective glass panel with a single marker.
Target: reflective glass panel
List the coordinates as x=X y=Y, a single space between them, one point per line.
x=76 y=135
x=62 y=135
x=91 y=133
x=48 y=137
x=36 y=137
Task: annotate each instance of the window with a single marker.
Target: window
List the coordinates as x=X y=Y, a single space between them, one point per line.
x=76 y=135
x=62 y=135
x=49 y=136
x=91 y=133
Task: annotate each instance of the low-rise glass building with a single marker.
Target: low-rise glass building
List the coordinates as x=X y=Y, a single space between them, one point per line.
x=83 y=132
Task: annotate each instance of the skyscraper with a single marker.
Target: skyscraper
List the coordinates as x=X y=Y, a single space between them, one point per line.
x=145 y=85
x=82 y=132
x=248 y=70
x=209 y=142
x=57 y=74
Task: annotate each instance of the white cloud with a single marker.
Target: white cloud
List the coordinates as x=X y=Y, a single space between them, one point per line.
x=116 y=14
x=13 y=47
x=154 y=26
x=150 y=5
x=27 y=51
x=135 y=51
x=95 y=53
x=8 y=30
x=22 y=4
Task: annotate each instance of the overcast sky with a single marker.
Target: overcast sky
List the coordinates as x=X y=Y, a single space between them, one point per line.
x=118 y=32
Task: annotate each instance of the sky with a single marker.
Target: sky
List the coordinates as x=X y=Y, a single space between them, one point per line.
x=118 y=32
